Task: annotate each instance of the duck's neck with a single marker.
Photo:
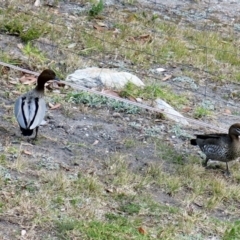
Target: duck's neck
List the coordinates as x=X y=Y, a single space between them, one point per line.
x=234 y=137
x=40 y=87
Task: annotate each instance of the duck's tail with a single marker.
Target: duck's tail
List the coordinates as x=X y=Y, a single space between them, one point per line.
x=193 y=142
x=26 y=132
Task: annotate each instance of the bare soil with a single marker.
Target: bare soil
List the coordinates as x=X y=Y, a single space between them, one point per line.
x=80 y=139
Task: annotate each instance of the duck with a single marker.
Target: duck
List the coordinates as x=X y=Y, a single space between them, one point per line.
x=30 y=108
x=220 y=146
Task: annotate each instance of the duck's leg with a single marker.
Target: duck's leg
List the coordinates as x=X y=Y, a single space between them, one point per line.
x=36 y=133
x=205 y=162
x=227 y=170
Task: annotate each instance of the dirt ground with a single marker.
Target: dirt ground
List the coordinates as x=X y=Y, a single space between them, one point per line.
x=79 y=138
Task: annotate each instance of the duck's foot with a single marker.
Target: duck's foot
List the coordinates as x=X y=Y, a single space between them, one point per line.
x=227 y=174
x=204 y=164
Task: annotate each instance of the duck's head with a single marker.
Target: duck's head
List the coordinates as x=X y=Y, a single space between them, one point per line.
x=45 y=76
x=235 y=129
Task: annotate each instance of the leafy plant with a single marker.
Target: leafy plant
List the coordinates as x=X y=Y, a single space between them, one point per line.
x=94 y=100
x=33 y=52
x=233 y=233
x=96 y=9
x=24 y=26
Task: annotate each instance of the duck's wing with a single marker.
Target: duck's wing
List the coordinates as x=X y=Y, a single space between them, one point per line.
x=38 y=112
x=19 y=113
x=213 y=136
x=212 y=140
x=29 y=111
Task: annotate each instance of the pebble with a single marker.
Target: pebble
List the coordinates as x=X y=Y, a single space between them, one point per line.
x=116 y=114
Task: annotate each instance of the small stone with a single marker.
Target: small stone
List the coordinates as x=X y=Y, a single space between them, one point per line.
x=139 y=100
x=160 y=70
x=23 y=232
x=116 y=114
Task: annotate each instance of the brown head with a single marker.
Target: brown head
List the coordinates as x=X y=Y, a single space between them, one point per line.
x=45 y=76
x=234 y=130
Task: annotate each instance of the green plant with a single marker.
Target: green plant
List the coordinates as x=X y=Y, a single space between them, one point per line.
x=201 y=111
x=16 y=25
x=33 y=53
x=153 y=92
x=233 y=232
x=94 y=100
x=96 y=9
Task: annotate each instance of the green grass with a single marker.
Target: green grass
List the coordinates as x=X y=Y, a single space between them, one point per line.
x=152 y=92
x=22 y=25
x=110 y=195
x=119 y=228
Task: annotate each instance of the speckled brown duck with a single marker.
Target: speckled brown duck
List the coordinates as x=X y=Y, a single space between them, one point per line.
x=220 y=146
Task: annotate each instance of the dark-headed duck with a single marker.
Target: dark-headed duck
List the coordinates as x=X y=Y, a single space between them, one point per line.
x=30 y=108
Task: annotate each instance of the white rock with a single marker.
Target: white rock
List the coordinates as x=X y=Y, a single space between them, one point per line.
x=160 y=70
x=139 y=100
x=37 y=3
x=95 y=77
x=23 y=232
x=170 y=112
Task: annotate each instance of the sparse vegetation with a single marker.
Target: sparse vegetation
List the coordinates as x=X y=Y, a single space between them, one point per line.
x=18 y=26
x=152 y=92
x=93 y=176
x=96 y=8
x=99 y=101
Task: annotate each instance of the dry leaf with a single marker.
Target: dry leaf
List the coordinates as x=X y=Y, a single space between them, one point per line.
x=131 y=99
x=27 y=152
x=20 y=46
x=13 y=82
x=28 y=79
x=186 y=109
x=110 y=92
x=99 y=28
x=52 y=107
x=142 y=230
x=110 y=190
x=228 y=111
x=16 y=92
x=95 y=143
x=144 y=38
x=166 y=77
x=52 y=84
x=101 y=24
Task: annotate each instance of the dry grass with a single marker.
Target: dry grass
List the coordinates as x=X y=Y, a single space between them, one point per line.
x=51 y=201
